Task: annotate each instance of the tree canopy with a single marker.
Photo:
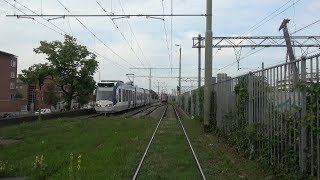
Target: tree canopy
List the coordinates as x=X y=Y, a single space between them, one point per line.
x=71 y=66
x=35 y=73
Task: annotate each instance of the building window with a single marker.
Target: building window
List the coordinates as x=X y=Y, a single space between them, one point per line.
x=13 y=63
x=11 y=85
x=12 y=96
x=13 y=74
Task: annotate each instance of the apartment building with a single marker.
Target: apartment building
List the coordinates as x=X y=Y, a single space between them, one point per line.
x=8 y=80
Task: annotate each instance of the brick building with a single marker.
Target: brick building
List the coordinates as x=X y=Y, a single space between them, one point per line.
x=8 y=80
x=34 y=98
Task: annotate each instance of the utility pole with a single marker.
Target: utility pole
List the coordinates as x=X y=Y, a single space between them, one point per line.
x=180 y=71
x=150 y=84
x=199 y=61
x=208 y=68
x=294 y=69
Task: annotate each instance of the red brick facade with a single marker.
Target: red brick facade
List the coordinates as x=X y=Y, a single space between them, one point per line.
x=8 y=78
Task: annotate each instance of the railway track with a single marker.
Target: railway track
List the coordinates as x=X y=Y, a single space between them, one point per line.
x=145 y=154
x=129 y=112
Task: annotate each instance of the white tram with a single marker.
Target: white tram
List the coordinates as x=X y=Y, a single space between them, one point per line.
x=114 y=96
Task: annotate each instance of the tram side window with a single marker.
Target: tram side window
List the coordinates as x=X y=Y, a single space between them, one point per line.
x=119 y=95
x=127 y=95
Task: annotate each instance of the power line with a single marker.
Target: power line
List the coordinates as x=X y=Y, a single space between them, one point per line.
x=94 y=34
x=15 y=8
x=134 y=36
x=130 y=27
x=258 y=25
x=166 y=34
x=125 y=39
x=110 y=15
x=36 y=14
x=117 y=64
x=306 y=26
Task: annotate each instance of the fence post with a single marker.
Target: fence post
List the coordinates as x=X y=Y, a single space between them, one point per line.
x=303 y=131
x=250 y=88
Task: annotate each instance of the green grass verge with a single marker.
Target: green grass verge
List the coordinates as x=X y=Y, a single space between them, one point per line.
x=110 y=148
x=169 y=156
x=218 y=159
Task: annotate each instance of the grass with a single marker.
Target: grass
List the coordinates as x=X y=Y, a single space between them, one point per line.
x=169 y=156
x=110 y=148
x=218 y=159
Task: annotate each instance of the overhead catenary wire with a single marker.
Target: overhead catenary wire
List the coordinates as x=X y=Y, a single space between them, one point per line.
x=265 y=19
x=258 y=25
x=305 y=27
x=166 y=35
x=121 y=33
x=134 y=36
x=62 y=34
x=38 y=15
x=94 y=35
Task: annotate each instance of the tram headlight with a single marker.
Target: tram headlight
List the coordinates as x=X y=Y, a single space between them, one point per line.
x=108 y=105
x=98 y=105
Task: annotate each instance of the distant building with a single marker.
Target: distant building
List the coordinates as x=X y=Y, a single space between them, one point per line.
x=221 y=77
x=8 y=81
x=214 y=80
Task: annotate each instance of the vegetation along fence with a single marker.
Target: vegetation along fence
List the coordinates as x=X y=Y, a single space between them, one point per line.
x=271 y=115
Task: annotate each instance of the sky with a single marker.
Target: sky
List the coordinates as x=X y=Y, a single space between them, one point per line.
x=140 y=42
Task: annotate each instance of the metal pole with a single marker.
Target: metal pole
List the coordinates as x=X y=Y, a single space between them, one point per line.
x=150 y=85
x=208 y=68
x=303 y=131
x=179 y=74
x=199 y=61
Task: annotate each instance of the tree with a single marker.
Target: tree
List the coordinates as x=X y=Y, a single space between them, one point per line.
x=36 y=73
x=72 y=67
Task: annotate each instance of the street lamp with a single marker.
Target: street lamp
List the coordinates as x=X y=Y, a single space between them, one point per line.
x=131 y=74
x=179 y=90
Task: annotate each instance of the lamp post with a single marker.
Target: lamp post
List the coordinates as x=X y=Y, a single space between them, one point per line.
x=179 y=90
x=131 y=74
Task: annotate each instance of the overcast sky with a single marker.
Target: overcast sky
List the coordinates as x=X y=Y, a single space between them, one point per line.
x=147 y=42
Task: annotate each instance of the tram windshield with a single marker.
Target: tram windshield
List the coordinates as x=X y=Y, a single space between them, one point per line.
x=104 y=95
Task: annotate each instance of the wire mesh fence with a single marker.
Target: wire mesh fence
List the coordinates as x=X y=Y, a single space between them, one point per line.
x=271 y=114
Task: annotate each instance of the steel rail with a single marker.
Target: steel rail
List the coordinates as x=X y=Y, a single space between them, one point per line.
x=146 y=151
x=194 y=154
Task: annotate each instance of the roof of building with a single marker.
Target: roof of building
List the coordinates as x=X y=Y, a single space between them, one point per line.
x=6 y=54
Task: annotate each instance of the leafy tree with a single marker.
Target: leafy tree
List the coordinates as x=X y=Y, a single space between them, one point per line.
x=36 y=73
x=72 y=67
